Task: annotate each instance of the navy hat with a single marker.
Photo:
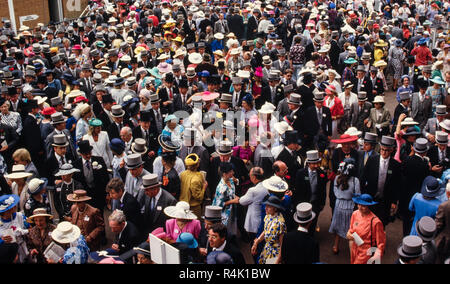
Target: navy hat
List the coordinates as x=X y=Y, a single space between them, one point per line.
x=117 y=145
x=412 y=130
x=218 y=257
x=364 y=199
x=275 y=202
x=431 y=187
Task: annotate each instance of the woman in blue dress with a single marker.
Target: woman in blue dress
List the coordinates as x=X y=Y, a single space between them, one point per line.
x=346 y=186
x=426 y=202
x=69 y=237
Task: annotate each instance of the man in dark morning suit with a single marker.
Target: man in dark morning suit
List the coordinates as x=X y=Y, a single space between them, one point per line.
x=30 y=132
x=296 y=113
x=381 y=179
x=439 y=154
x=414 y=170
x=180 y=99
x=362 y=83
x=311 y=186
x=312 y=126
x=125 y=201
x=290 y=155
x=157 y=114
x=104 y=110
x=59 y=157
x=225 y=155
x=93 y=179
x=421 y=105
x=298 y=246
x=147 y=131
x=128 y=235
x=218 y=241
x=377 y=83
x=59 y=123
x=361 y=111
x=153 y=203
x=117 y=114
x=402 y=107
x=306 y=91
x=167 y=93
x=368 y=150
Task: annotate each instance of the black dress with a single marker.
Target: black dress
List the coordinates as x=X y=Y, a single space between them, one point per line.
x=171 y=182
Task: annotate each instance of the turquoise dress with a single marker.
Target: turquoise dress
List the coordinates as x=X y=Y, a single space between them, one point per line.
x=78 y=253
x=224 y=194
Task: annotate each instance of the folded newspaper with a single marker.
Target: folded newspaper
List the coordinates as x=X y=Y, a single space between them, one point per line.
x=54 y=252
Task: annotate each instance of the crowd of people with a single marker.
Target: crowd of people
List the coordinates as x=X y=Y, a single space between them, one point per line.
x=213 y=124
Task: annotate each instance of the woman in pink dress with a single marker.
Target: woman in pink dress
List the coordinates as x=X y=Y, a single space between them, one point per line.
x=183 y=220
x=336 y=108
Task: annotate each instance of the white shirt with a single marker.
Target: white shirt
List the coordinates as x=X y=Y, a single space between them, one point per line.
x=301 y=229
x=221 y=247
x=384 y=164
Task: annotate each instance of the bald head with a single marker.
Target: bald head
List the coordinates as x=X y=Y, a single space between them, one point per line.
x=126 y=134
x=279 y=168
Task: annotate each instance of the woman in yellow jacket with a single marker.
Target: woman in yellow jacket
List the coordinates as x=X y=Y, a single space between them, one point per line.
x=193 y=184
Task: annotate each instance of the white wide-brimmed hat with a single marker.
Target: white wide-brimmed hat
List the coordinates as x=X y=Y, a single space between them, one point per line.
x=66 y=233
x=195 y=58
x=275 y=184
x=18 y=171
x=267 y=108
x=180 y=211
x=282 y=127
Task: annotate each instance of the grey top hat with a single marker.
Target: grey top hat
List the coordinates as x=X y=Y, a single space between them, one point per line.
x=213 y=213
x=426 y=228
x=294 y=99
x=404 y=96
x=411 y=247
x=304 y=213
x=288 y=88
x=312 y=156
x=273 y=76
x=362 y=96
x=387 y=141
x=190 y=46
x=58 y=117
x=150 y=180
x=427 y=68
x=131 y=81
x=176 y=67
x=319 y=97
x=117 y=111
x=154 y=98
x=56 y=59
x=370 y=137
x=133 y=161
x=236 y=80
x=441 y=110
x=361 y=68
x=55 y=101
x=138 y=146
x=226 y=98
x=60 y=140
x=225 y=148
x=421 y=145
x=441 y=137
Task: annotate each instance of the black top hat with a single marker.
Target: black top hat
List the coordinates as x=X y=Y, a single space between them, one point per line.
x=107 y=98
x=145 y=116
x=32 y=104
x=84 y=147
x=291 y=136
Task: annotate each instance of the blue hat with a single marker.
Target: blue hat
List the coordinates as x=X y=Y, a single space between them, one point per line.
x=117 y=145
x=218 y=257
x=272 y=36
x=187 y=238
x=8 y=201
x=431 y=187
x=36 y=185
x=364 y=199
x=248 y=98
x=422 y=41
x=398 y=42
x=332 y=5
x=204 y=73
x=170 y=117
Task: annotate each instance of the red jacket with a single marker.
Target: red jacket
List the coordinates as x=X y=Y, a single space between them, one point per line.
x=423 y=55
x=337 y=108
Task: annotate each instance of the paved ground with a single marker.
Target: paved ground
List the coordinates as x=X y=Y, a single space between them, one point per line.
x=393 y=231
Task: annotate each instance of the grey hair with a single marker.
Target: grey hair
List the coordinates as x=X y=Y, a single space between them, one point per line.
x=117 y=216
x=127 y=129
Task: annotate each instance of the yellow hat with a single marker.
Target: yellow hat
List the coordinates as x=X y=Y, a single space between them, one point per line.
x=178 y=38
x=191 y=160
x=54 y=49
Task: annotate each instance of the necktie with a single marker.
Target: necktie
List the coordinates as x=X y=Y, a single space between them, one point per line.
x=152 y=204
x=88 y=165
x=147 y=136
x=319 y=116
x=313 y=178
x=366 y=156
x=170 y=94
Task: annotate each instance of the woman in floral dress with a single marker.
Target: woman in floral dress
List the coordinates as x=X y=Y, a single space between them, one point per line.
x=274 y=230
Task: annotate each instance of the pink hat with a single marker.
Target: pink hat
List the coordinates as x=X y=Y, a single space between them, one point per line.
x=164 y=67
x=76 y=47
x=330 y=89
x=159 y=233
x=208 y=96
x=258 y=72
x=110 y=260
x=271 y=12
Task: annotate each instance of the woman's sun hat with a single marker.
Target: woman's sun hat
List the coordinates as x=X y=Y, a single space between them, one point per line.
x=18 y=172
x=364 y=199
x=180 y=211
x=66 y=233
x=39 y=212
x=8 y=201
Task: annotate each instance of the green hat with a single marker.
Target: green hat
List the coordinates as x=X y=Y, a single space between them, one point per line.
x=350 y=60
x=100 y=44
x=95 y=122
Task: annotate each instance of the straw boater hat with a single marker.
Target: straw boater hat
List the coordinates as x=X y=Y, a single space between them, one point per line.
x=167 y=144
x=18 y=171
x=78 y=195
x=66 y=233
x=39 y=212
x=66 y=169
x=180 y=211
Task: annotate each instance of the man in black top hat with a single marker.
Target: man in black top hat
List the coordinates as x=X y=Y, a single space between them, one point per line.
x=93 y=174
x=31 y=134
x=317 y=121
x=147 y=131
x=167 y=93
x=104 y=107
x=290 y=155
x=381 y=179
x=180 y=99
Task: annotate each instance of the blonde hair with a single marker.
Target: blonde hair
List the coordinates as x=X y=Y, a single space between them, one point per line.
x=22 y=154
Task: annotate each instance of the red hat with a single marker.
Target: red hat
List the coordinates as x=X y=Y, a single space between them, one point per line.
x=48 y=111
x=330 y=89
x=376 y=26
x=353 y=16
x=345 y=138
x=80 y=99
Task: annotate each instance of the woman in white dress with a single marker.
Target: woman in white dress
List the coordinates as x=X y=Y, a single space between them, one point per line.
x=99 y=140
x=19 y=185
